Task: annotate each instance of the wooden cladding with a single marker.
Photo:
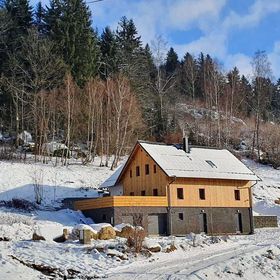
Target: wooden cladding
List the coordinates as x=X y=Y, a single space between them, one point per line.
x=121 y=201
x=146 y=175
x=210 y=193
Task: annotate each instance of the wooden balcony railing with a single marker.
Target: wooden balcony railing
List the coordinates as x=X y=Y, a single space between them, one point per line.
x=121 y=201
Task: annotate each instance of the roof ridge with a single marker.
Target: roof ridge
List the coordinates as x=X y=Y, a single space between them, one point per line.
x=174 y=145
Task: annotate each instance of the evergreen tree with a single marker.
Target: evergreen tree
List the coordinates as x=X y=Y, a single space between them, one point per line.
x=189 y=75
x=20 y=15
x=172 y=62
x=129 y=47
x=39 y=19
x=245 y=93
x=127 y=36
x=108 y=49
x=69 y=26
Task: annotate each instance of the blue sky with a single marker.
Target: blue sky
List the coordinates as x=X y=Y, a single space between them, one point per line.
x=230 y=30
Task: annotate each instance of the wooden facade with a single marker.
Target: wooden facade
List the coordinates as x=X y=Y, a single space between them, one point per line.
x=217 y=193
x=135 y=184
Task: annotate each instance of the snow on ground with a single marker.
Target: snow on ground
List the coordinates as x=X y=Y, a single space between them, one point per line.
x=17 y=180
x=196 y=257
x=266 y=191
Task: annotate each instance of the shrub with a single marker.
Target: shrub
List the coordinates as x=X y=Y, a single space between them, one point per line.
x=18 y=203
x=135 y=240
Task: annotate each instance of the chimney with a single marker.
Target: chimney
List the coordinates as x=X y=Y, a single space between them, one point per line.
x=186 y=144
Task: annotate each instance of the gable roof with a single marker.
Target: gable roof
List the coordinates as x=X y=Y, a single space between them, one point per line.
x=198 y=163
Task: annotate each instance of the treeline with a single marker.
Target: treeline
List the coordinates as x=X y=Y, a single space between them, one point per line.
x=63 y=80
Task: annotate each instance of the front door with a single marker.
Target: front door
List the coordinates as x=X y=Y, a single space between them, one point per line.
x=238 y=221
x=203 y=222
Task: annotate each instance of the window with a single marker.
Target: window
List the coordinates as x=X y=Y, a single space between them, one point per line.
x=181 y=216
x=147 y=169
x=131 y=193
x=180 y=193
x=237 y=194
x=211 y=163
x=155 y=168
x=202 y=194
x=137 y=171
x=130 y=173
x=104 y=218
x=143 y=193
x=155 y=192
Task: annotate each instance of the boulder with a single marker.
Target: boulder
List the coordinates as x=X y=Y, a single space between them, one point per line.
x=76 y=232
x=124 y=230
x=107 y=232
x=170 y=248
x=37 y=237
x=152 y=246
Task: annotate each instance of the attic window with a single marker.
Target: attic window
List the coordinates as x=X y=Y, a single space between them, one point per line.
x=211 y=163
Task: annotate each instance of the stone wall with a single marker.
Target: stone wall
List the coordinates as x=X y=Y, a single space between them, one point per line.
x=183 y=219
x=265 y=221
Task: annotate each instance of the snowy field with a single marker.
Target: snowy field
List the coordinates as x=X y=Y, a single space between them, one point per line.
x=195 y=257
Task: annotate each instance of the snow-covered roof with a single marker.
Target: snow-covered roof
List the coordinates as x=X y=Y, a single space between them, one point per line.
x=111 y=181
x=198 y=163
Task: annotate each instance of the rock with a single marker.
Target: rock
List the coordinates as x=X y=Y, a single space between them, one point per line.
x=116 y=253
x=59 y=239
x=107 y=232
x=126 y=231
x=170 y=248
x=4 y=239
x=37 y=237
x=75 y=234
x=153 y=247
x=94 y=234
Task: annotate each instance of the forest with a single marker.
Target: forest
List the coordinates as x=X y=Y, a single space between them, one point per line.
x=63 y=80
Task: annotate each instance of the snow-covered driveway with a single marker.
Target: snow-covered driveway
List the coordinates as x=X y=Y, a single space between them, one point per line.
x=208 y=263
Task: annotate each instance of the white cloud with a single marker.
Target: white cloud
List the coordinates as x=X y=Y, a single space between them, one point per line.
x=259 y=10
x=213 y=44
x=241 y=61
x=274 y=58
x=183 y=14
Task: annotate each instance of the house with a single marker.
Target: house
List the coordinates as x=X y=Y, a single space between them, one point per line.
x=173 y=190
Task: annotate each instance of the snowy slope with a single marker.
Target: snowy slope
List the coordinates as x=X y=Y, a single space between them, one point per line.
x=266 y=191
x=17 y=179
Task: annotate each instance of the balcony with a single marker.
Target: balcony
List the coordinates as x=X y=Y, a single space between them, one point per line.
x=121 y=201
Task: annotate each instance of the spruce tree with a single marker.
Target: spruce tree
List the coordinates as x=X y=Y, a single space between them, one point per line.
x=69 y=26
x=20 y=14
x=39 y=19
x=108 y=49
x=172 y=62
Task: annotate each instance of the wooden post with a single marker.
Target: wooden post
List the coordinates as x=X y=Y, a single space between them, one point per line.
x=85 y=236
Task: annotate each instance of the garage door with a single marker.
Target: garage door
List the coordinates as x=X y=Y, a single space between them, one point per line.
x=157 y=224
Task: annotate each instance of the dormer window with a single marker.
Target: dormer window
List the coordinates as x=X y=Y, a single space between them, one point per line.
x=211 y=163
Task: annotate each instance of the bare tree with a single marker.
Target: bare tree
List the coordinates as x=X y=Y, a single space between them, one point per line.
x=261 y=71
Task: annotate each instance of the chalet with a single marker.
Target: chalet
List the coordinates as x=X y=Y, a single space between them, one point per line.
x=173 y=190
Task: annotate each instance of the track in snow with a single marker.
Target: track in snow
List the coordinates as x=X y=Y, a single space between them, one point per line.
x=185 y=266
